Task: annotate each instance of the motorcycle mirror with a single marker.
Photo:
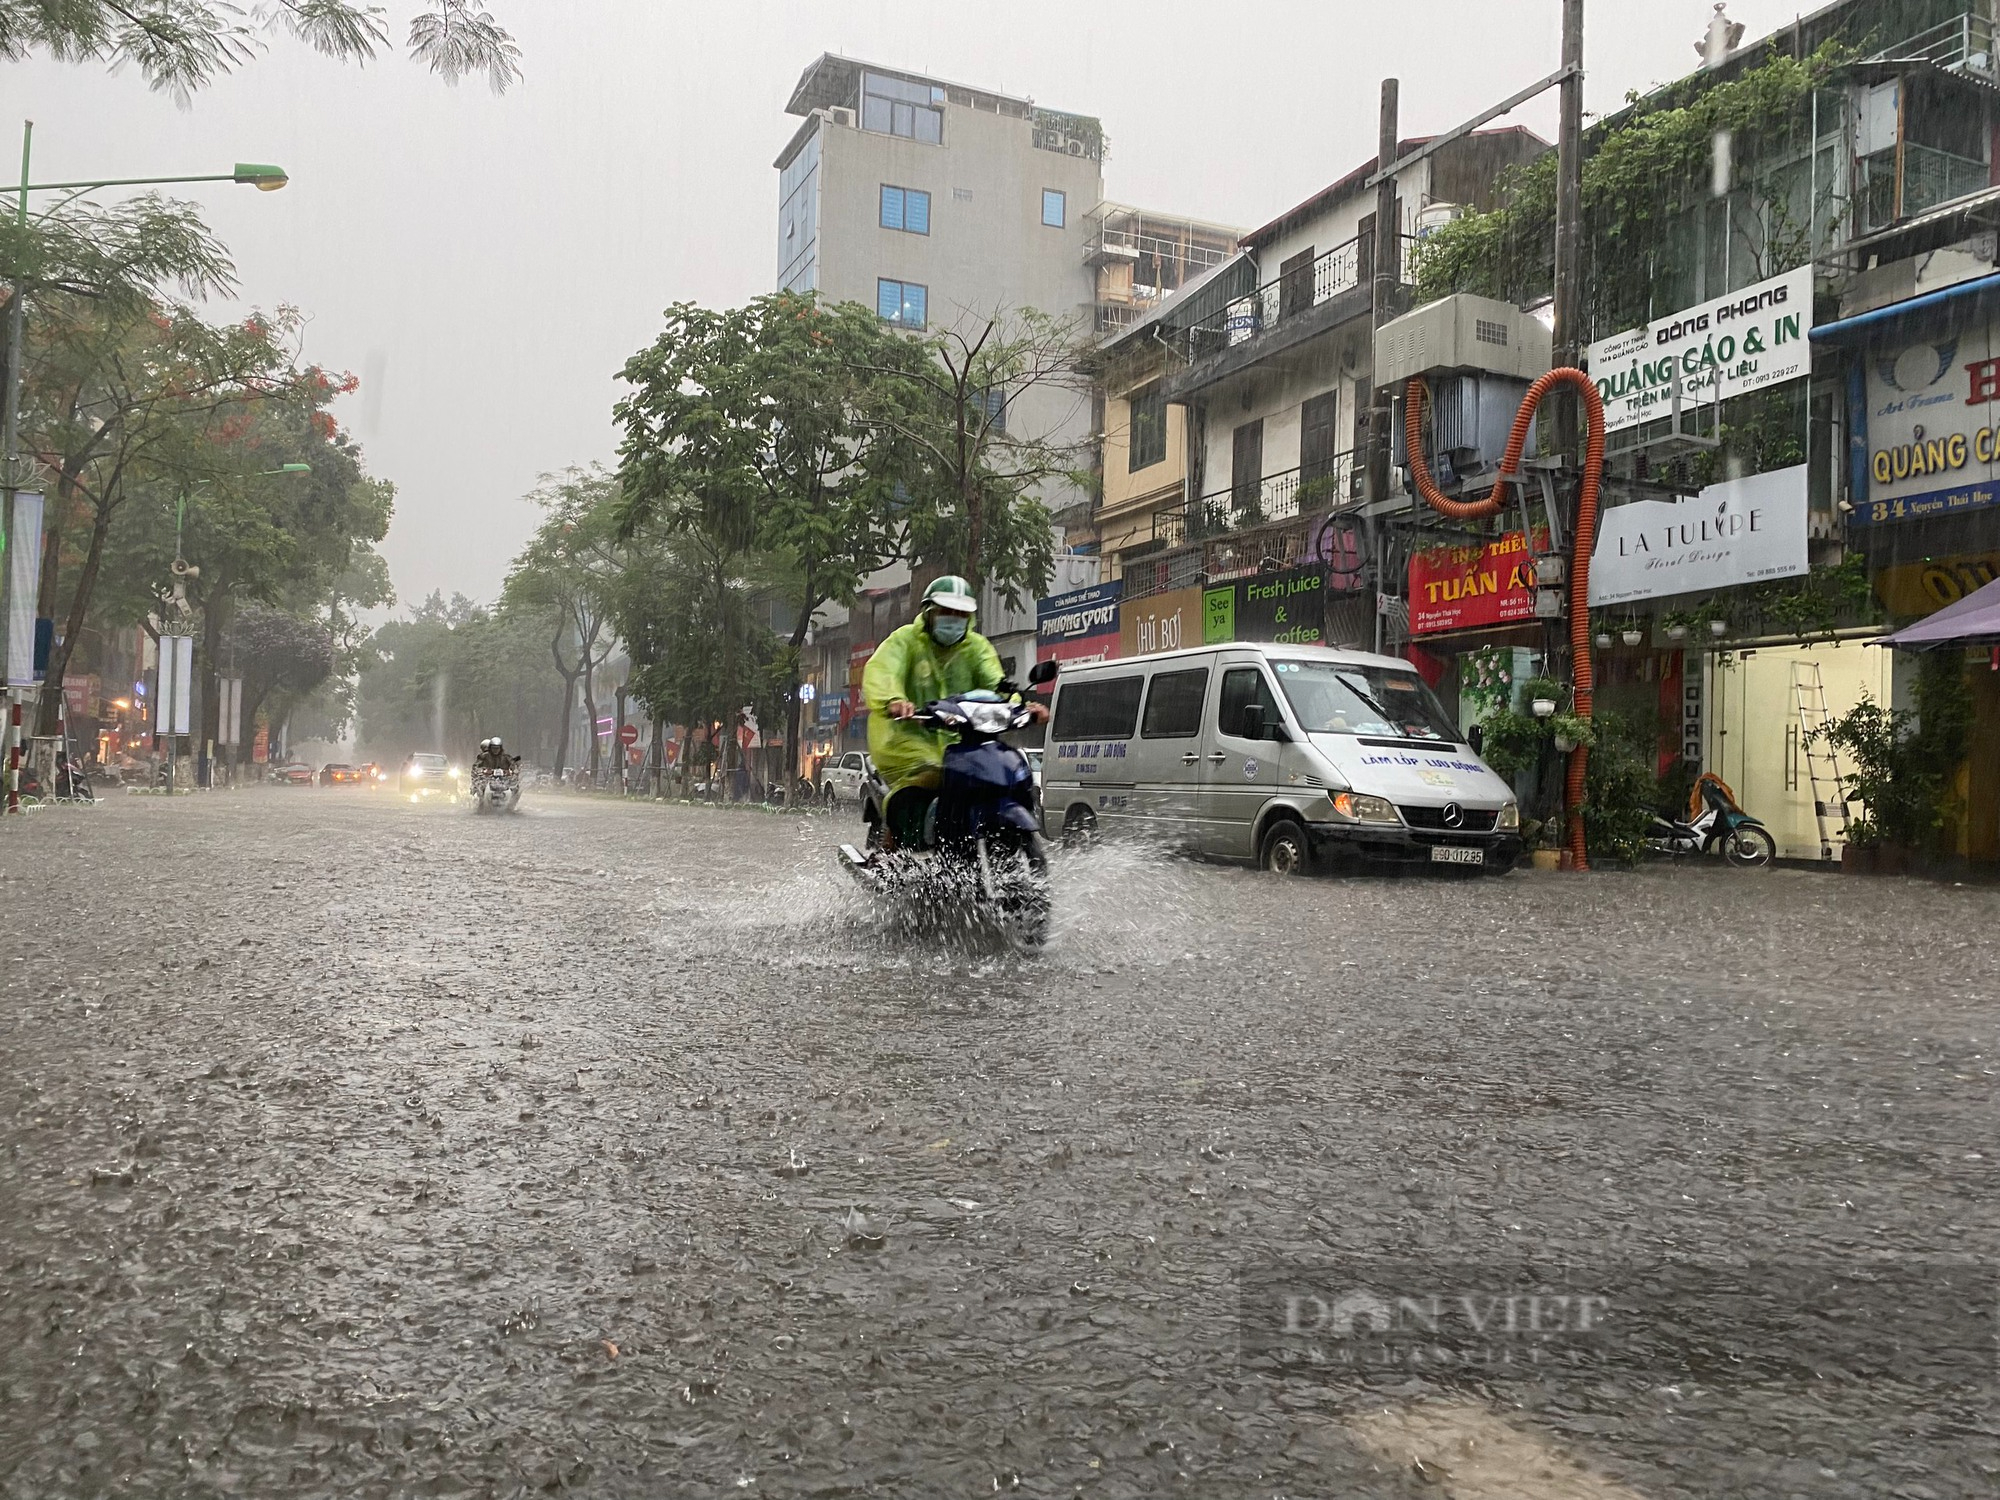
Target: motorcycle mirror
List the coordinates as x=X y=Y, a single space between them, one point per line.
x=1041 y=672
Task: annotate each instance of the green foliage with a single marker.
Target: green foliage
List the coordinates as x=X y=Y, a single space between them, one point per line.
x=452 y=673
x=180 y=46
x=1900 y=764
x=1641 y=170
x=1512 y=742
x=1486 y=679
x=1619 y=793
x=1817 y=604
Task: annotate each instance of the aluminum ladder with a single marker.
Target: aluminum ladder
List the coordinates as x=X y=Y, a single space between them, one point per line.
x=1822 y=761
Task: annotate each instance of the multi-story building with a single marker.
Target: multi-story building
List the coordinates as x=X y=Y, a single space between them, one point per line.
x=941 y=206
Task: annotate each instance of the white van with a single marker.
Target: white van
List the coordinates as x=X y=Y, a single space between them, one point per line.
x=1288 y=755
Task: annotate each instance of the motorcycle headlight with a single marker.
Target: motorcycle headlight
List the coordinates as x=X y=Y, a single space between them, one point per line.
x=1510 y=816
x=1357 y=807
x=990 y=718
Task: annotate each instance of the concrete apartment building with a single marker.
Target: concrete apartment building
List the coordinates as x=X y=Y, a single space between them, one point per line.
x=939 y=205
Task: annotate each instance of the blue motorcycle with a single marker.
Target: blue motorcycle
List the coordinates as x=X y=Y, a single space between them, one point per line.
x=976 y=841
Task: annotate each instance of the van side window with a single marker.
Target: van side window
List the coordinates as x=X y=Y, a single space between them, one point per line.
x=1173 y=705
x=1241 y=687
x=1107 y=709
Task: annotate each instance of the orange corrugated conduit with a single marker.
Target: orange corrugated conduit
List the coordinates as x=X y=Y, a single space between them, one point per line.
x=1585 y=539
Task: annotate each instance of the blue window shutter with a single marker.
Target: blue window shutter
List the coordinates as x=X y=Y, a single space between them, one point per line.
x=914 y=299
x=892 y=207
x=1054 y=205
x=917 y=213
x=889 y=300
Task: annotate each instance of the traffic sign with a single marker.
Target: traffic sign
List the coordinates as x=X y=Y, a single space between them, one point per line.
x=628 y=734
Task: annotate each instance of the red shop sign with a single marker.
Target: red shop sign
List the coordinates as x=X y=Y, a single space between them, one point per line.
x=1463 y=588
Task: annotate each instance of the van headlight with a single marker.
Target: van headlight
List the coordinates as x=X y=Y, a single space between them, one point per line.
x=1356 y=807
x=1510 y=816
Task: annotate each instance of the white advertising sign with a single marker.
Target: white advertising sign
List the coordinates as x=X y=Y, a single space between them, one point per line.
x=24 y=561
x=1745 y=341
x=1739 y=531
x=174 y=696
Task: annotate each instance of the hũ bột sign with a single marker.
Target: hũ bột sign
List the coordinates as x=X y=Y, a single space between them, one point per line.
x=1745 y=341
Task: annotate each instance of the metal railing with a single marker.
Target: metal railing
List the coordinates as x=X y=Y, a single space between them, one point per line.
x=1285 y=296
x=1930 y=177
x=1275 y=497
x=1964 y=44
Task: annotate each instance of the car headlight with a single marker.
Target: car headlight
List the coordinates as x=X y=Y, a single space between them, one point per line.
x=451 y=771
x=1357 y=807
x=1510 y=816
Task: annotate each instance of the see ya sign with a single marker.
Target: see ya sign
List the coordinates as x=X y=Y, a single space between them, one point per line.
x=1742 y=342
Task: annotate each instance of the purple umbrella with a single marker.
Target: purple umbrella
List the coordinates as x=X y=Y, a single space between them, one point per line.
x=1973 y=621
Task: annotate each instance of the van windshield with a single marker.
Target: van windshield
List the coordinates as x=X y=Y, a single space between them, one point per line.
x=1335 y=698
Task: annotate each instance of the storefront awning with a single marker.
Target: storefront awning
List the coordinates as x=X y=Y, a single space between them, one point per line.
x=1973 y=621
x=1957 y=299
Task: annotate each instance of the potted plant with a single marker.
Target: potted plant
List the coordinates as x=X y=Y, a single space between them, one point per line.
x=1602 y=639
x=1677 y=623
x=1543 y=695
x=1547 y=852
x=1718 y=628
x=1632 y=632
x=1901 y=765
x=1570 y=731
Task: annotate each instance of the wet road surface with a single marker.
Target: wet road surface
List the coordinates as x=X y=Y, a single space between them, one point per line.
x=360 y=1149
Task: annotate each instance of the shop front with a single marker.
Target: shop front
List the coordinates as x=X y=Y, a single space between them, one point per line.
x=1924 y=484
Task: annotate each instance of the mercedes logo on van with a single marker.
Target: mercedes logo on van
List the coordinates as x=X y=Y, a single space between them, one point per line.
x=1453 y=815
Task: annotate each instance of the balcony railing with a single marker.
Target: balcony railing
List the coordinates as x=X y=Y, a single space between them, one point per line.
x=1962 y=45
x=1275 y=497
x=1284 y=297
x=1930 y=177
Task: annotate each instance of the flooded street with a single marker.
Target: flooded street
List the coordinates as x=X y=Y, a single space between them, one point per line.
x=617 y=1150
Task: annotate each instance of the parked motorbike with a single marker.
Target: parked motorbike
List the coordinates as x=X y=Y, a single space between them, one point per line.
x=980 y=848
x=495 y=790
x=1722 y=828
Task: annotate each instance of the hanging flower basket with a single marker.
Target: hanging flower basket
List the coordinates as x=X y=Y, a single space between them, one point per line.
x=1677 y=632
x=1543 y=708
x=1632 y=635
x=1565 y=744
x=1718 y=628
x=1603 y=640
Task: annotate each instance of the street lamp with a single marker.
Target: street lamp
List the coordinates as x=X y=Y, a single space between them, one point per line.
x=260 y=175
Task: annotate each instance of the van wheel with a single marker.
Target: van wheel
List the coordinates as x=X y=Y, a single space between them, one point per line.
x=1285 y=850
x=1079 y=828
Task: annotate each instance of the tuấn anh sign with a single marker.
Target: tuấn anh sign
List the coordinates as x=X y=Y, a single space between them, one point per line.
x=1745 y=341
x=1463 y=588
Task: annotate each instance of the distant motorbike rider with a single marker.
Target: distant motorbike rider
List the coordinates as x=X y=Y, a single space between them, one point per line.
x=936 y=655
x=493 y=756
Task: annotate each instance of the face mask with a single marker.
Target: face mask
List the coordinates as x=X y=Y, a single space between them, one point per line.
x=948 y=630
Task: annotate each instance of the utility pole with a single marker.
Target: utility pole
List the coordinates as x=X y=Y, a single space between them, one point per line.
x=1568 y=337
x=1388 y=267
x=1387 y=259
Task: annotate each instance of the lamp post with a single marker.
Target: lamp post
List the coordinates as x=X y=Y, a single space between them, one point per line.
x=260 y=175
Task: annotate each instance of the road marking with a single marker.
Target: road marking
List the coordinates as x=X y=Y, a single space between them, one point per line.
x=1473 y=1455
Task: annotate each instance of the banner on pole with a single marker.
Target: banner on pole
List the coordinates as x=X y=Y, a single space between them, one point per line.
x=229 y=700
x=175 y=694
x=24 y=569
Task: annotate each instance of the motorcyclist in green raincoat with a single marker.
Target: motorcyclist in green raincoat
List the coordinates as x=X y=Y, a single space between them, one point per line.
x=936 y=655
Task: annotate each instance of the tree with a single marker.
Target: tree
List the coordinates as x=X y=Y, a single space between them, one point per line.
x=562 y=578
x=180 y=46
x=758 y=430
x=984 y=470
x=131 y=399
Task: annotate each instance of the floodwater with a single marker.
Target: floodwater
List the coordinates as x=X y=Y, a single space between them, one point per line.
x=360 y=1149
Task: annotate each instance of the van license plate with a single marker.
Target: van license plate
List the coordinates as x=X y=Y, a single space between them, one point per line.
x=1456 y=854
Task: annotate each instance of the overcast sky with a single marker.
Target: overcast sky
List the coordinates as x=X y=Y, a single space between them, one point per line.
x=486 y=264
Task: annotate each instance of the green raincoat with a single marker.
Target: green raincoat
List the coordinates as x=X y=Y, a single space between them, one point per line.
x=909 y=664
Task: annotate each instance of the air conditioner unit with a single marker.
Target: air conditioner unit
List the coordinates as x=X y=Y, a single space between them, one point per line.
x=1462 y=334
x=841 y=116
